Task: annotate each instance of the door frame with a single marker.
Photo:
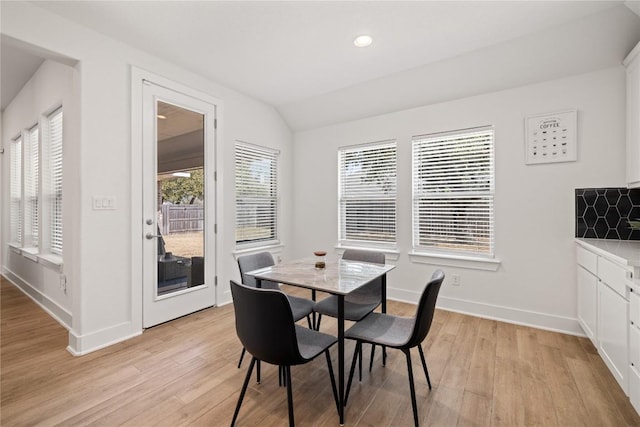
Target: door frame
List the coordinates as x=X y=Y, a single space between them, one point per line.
x=138 y=76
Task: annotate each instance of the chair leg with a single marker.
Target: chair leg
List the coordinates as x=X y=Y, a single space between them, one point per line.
x=424 y=365
x=333 y=380
x=360 y=363
x=244 y=350
x=289 y=395
x=258 y=372
x=353 y=368
x=412 y=387
x=373 y=353
x=244 y=389
x=309 y=322
x=384 y=355
x=317 y=325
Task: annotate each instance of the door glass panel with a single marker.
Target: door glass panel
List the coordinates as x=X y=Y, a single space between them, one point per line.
x=180 y=201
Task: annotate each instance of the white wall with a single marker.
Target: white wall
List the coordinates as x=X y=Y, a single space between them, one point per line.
x=50 y=87
x=534 y=205
x=98 y=254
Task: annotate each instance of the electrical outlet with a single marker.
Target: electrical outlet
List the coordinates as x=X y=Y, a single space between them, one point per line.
x=455 y=280
x=63 y=283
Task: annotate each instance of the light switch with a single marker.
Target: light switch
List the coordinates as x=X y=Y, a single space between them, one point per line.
x=104 y=203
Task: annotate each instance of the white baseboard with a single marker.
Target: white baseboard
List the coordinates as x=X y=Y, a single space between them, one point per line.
x=565 y=325
x=60 y=314
x=87 y=343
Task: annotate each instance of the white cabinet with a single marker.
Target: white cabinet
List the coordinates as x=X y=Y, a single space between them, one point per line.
x=587 y=293
x=603 y=310
x=632 y=63
x=613 y=318
x=634 y=350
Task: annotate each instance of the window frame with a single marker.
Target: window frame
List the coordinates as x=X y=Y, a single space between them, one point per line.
x=266 y=154
x=471 y=193
x=359 y=194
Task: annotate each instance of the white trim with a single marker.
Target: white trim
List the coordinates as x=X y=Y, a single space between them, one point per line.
x=460 y=261
x=545 y=321
x=87 y=343
x=55 y=310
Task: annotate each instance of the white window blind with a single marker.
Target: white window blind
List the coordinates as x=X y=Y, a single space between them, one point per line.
x=453 y=190
x=367 y=194
x=16 y=191
x=31 y=190
x=256 y=194
x=55 y=175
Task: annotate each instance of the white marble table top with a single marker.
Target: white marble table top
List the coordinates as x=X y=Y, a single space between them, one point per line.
x=339 y=277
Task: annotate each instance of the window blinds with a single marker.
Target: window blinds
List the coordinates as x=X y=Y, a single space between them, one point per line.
x=256 y=194
x=15 y=216
x=453 y=188
x=367 y=193
x=55 y=171
x=32 y=181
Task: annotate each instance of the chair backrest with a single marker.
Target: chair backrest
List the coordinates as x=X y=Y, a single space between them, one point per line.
x=426 y=309
x=370 y=293
x=264 y=323
x=251 y=262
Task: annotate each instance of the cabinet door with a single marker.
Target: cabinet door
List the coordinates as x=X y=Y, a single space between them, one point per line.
x=633 y=123
x=587 y=303
x=613 y=321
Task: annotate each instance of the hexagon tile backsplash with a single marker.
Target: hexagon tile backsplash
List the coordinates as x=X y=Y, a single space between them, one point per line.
x=603 y=213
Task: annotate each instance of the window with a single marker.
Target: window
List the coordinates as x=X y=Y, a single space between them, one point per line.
x=36 y=187
x=367 y=194
x=54 y=191
x=16 y=191
x=31 y=187
x=256 y=194
x=453 y=189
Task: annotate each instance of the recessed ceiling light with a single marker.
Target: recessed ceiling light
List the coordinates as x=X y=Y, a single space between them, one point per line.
x=363 y=41
x=161 y=117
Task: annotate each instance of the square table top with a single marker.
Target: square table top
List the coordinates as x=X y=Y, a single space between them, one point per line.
x=339 y=277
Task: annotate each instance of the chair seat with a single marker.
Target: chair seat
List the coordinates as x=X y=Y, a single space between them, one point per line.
x=352 y=311
x=311 y=343
x=383 y=329
x=300 y=307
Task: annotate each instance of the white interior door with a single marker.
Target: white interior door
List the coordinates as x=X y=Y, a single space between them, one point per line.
x=179 y=138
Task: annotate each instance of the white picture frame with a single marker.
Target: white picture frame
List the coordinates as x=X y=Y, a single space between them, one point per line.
x=551 y=137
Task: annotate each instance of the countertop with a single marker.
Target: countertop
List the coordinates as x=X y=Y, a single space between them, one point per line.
x=625 y=252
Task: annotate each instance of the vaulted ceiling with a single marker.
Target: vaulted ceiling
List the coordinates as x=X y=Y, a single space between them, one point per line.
x=300 y=58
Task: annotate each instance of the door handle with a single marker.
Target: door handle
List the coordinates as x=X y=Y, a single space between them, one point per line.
x=150 y=236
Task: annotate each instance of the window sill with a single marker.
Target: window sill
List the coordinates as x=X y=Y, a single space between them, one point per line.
x=51 y=261
x=461 y=261
x=275 y=247
x=391 y=254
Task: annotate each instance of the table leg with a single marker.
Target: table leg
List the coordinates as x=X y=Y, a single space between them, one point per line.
x=258 y=285
x=341 y=356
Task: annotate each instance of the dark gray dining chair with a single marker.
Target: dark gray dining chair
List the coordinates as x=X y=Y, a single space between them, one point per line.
x=358 y=303
x=301 y=307
x=266 y=328
x=402 y=333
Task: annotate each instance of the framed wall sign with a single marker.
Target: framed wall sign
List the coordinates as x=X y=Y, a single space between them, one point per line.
x=551 y=138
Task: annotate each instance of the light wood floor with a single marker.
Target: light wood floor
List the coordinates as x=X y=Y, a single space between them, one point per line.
x=484 y=373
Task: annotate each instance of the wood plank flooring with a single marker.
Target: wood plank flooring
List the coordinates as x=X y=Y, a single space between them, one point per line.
x=484 y=373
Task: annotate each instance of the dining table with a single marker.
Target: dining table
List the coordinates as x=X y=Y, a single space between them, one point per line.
x=339 y=277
